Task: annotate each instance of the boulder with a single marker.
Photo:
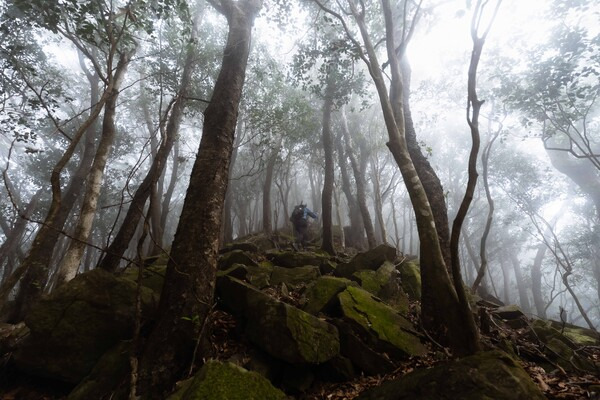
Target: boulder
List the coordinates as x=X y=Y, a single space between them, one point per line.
x=281 y=330
x=410 y=275
x=292 y=259
x=109 y=378
x=153 y=276
x=294 y=276
x=243 y=246
x=371 y=259
x=322 y=294
x=486 y=375
x=226 y=260
x=379 y=324
x=227 y=381
x=360 y=354
x=508 y=312
x=76 y=324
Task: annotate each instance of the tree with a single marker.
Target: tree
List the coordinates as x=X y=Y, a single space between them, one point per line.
x=441 y=308
x=187 y=295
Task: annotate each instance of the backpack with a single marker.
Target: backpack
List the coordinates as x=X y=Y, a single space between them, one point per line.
x=298 y=213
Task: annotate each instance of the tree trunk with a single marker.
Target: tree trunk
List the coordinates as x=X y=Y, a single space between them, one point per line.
x=356 y=239
x=187 y=295
x=166 y=204
x=361 y=195
x=231 y=187
x=378 y=203
x=135 y=212
x=70 y=263
x=441 y=309
x=267 y=207
x=14 y=236
x=327 y=194
x=536 y=281
x=524 y=299
x=34 y=268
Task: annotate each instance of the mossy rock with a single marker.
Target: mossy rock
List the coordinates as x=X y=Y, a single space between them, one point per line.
x=226 y=260
x=292 y=259
x=385 y=329
x=281 y=330
x=243 y=246
x=559 y=352
x=110 y=377
x=489 y=375
x=579 y=335
x=153 y=276
x=322 y=294
x=260 y=275
x=294 y=276
x=410 y=275
x=227 y=381
x=372 y=259
x=76 y=324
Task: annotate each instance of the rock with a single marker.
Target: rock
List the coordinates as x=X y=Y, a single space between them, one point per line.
x=74 y=326
x=579 y=335
x=294 y=276
x=323 y=292
x=371 y=259
x=338 y=369
x=487 y=375
x=11 y=336
x=292 y=259
x=110 y=374
x=153 y=276
x=283 y=331
x=227 y=381
x=235 y=257
x=410 y=275
x=362 y=355
x=381 y=326
x=297 y=378
x=563 y=355
x=327 y=267
x=508 y=312
x=243 y=246
x=260 y=275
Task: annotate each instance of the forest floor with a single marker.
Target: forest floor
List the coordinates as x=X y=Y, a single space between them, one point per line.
x=555 y=382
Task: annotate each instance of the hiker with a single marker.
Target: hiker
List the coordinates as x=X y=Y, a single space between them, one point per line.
x=299 y=219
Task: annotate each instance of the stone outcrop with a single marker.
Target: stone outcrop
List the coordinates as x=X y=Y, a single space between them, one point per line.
x=487 y=375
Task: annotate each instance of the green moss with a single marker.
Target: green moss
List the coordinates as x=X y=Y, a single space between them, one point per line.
x=369 y=280
x=483 y=376
x=294 y=276
x=411 y=279
x=317 y=340
x=388 y=327
x=226 y=381
x=320 y=294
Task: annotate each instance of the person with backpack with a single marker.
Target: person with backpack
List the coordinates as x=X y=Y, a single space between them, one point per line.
x=299 y=219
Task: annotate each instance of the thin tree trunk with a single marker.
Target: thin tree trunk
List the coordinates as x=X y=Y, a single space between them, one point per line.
x=72 y=259
x=327 y=194
x=267 y=207
x=187 y=295
x=378 y=203
x=124 y=236
x=524 y=299
x=171 y=188
x=360 y=187
x=34 y=268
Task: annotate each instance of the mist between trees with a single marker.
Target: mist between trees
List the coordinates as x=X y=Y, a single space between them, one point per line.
x=104 y=105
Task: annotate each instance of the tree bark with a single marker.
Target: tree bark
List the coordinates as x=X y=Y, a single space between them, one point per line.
x=361 y=195
x=135 y=212
x=441 y=309
x=34 y=268
x=523 y=298
x=267 y=207
x=187 y=295
x=72 y=259
x=327 y=194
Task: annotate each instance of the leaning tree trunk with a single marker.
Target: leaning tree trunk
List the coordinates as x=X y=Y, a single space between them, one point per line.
x=34 y=268
x=70 y=263
x=135 y=212
x=523 y=298
x=361 y=190
x=327 y=194
x=187 y=295
x=441 y=309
